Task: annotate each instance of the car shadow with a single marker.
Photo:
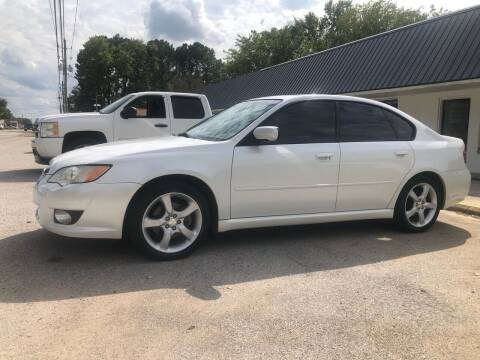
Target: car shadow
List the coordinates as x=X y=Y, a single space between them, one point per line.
x=39 y=266
x=21 y=175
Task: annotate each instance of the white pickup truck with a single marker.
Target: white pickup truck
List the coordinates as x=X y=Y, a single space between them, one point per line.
x=137 y=115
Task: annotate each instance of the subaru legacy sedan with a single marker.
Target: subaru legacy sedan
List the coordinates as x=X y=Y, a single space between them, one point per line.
x=274 y=161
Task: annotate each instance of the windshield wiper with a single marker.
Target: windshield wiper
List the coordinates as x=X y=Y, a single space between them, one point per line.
x=183 y=134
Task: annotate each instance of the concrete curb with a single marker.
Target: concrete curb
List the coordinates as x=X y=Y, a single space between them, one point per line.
x=466 y=209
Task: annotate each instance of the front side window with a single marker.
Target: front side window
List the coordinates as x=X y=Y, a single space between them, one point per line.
x=230 y=122
x=116 y=104
x=304 y=122
x=187 y=107
x=363 y=122
x=149 y=106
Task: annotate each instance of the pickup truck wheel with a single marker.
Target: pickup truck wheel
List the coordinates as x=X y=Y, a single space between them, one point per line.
x=169 y=221
x=80 y=143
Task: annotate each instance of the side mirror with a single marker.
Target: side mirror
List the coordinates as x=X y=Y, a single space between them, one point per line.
x=267 y=133
x=128 y=112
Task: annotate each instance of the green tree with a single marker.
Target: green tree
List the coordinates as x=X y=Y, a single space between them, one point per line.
x=160 y=64
x=5 y=113
x=95 y=75
x=342 y=22
x=195 y=65
x=108 y=68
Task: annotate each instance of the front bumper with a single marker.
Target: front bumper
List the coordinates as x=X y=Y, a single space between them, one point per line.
x=39 y=159
x=45 y=149
x=103 y=206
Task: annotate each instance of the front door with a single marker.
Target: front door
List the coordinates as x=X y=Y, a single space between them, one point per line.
x=151 y=119
x=375 y=154
x=297 y=174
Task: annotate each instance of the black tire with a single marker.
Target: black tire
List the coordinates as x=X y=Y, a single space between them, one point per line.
x=80 y=143
x=400 y=213
x=138 y=207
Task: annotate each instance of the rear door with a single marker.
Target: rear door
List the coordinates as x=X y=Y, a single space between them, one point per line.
x=375 y=155
x=151 y=120
x=297 y=174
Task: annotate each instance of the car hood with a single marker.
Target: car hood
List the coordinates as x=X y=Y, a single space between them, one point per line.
x=129 y=150
x=68 y=116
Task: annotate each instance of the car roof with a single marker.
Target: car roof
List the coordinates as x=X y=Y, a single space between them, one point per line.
x=293 y=98
x=319 y=97
x=166 y=93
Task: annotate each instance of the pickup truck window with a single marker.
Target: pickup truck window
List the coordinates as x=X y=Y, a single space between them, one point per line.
x=149 y=106
x=230 y=122
x=116 y=104
x=187 y=107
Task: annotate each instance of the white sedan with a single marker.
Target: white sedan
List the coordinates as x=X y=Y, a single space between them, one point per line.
x=283 y=160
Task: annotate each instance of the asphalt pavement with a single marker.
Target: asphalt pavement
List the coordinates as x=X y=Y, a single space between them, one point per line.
x=357 y=290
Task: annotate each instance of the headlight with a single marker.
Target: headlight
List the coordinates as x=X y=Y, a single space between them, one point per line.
x=78 y=174
x=49 y=129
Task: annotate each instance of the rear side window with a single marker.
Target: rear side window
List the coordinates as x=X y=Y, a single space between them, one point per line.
x=187 y=107
x=364 y=122
x=404 y=129
x=304 y=122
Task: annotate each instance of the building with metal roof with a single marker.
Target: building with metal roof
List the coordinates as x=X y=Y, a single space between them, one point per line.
x=430 y=69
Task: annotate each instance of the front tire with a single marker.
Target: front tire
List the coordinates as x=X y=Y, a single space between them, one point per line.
x=168 y=221
x=418 y=205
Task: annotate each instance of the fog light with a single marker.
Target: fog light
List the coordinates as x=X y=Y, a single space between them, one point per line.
x=66 y=217
x=62 y=217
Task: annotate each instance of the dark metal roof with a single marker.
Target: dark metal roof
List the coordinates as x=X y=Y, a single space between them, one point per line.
x=442 y=49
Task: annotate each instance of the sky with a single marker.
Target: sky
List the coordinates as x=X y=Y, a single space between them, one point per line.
x=28 y=66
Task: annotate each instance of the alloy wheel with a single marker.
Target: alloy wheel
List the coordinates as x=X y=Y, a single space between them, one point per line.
x=172 y=222
x=421 y=204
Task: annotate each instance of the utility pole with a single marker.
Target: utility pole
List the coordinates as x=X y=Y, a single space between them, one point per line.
x=58 y=22
x=65 y=91
x=60 y=38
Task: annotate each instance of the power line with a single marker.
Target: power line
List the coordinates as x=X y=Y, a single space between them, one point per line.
x=73 y=33
x=51 y=14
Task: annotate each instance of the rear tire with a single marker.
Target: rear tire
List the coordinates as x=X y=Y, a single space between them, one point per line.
x=80 y=143
x=418 y=204
x=168 y=221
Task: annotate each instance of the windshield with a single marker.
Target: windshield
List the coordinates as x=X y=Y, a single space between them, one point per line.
x=116 y=104
x=230 y=122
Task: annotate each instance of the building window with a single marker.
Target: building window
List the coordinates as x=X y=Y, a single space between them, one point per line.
x=455 y=117
x=391 y=102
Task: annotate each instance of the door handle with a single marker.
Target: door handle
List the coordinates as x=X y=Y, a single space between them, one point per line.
x=324 y=156
x=401 y=153
x=161 y=125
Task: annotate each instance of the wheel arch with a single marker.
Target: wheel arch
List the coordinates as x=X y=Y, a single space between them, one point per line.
x=74 y=135
x=435 y=176
x=187 y=179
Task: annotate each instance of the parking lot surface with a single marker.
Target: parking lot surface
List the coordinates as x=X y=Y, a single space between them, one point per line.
x=333 y=291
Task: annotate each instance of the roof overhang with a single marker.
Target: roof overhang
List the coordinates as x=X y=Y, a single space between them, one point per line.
x=417 y=89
